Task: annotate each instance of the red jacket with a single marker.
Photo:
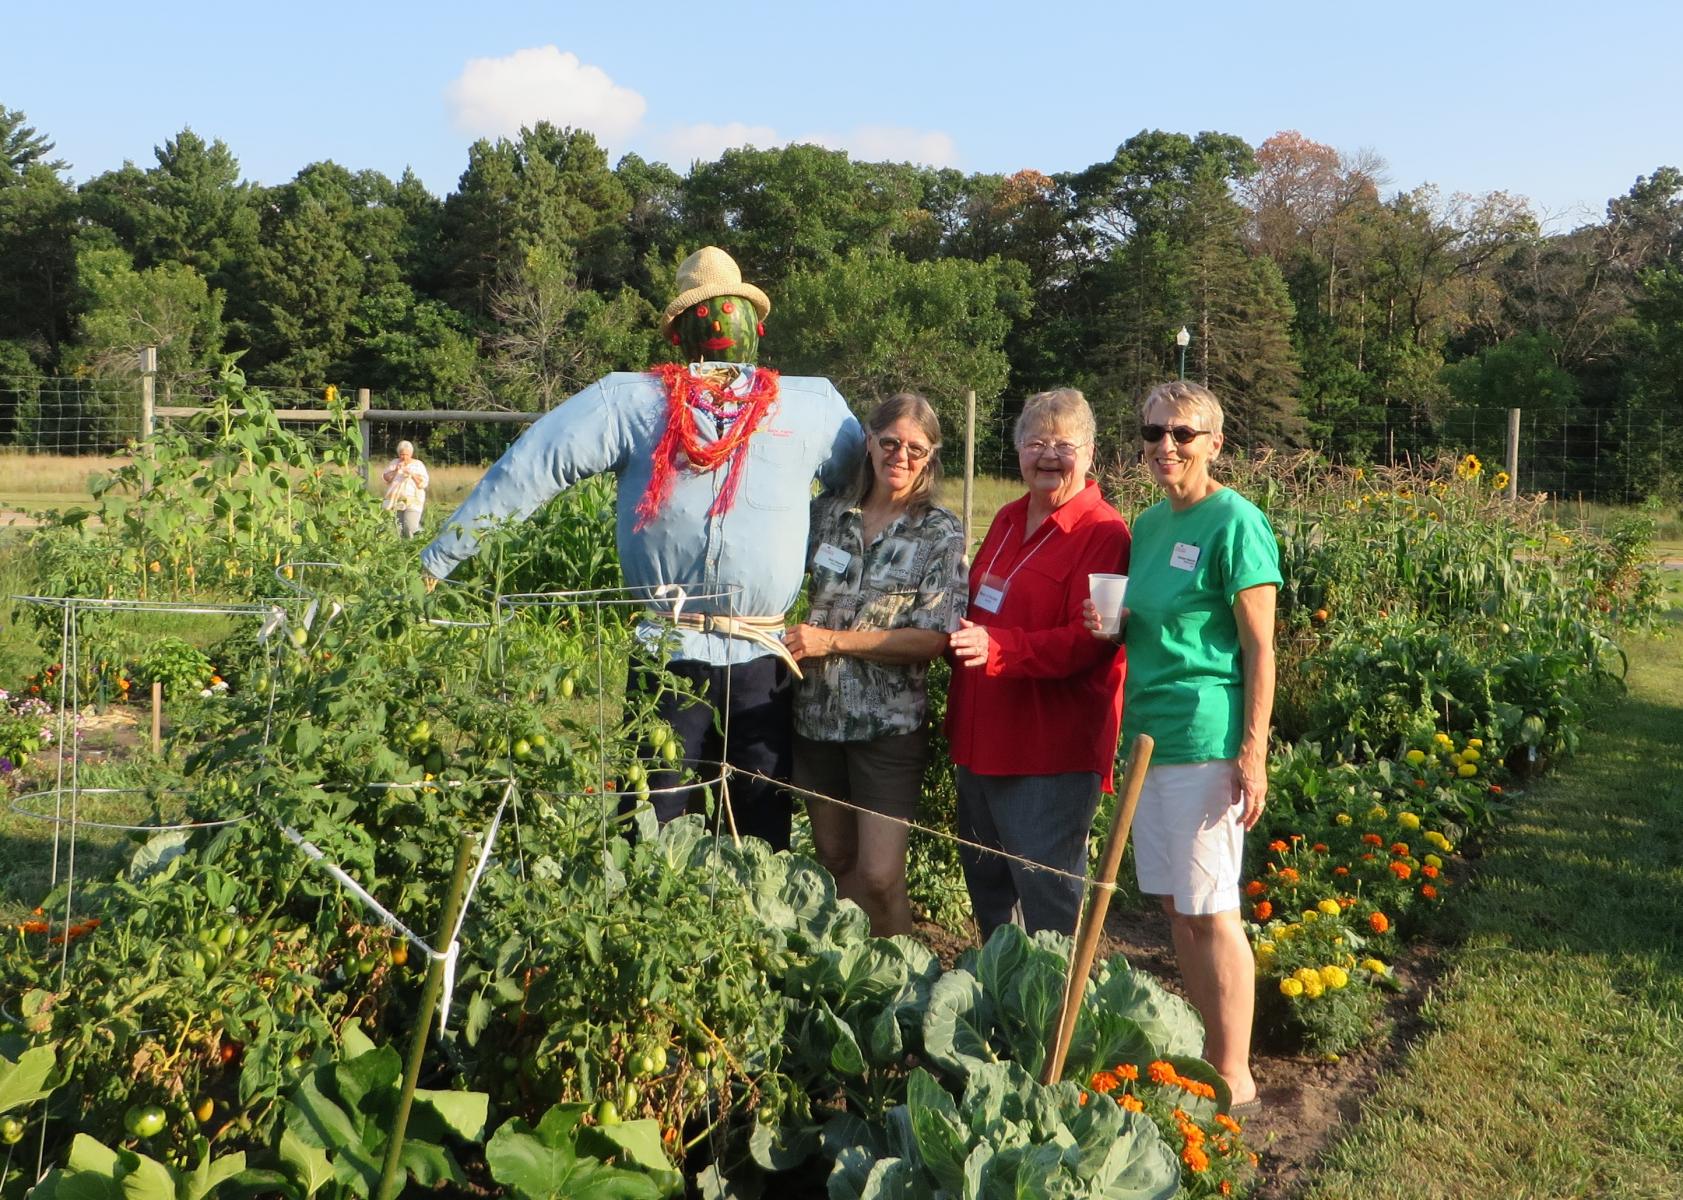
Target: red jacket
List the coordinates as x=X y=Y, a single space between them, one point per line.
x=1049 y=699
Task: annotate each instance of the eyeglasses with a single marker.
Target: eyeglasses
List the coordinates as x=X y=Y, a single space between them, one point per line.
x=893 y=445
x=1061 y=449
x=1181 y=433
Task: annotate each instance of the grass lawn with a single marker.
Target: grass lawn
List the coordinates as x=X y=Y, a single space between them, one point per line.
x=1548 y=1066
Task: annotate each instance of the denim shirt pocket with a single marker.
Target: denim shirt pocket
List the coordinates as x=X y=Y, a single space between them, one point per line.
x=779 y=472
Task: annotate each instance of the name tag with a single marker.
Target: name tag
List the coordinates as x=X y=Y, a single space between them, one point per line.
x=832 y=558
x=988 y=599
x=1185 y=557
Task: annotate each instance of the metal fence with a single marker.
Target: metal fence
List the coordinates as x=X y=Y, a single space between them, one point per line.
x=1616 y=458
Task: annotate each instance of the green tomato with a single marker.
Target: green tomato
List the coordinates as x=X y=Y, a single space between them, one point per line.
x=224 y=936
x=568 y=684
x=144 y=1120
x=607 y=1113
x=522 y=750
x=669 y=750
x=645 y=1065
x=420 y=732
x=300 y=638
x=628 y=1097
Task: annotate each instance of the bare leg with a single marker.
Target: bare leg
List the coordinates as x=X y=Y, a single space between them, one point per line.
x=835 y=836
x=1220 y=975
x=880 y=874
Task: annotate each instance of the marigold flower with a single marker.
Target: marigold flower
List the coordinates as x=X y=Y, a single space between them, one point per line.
x=1408 y=820
x=1368 y=857
x=1470 y=754
x=1378 y=922
x=1225 y=1187
x=1104 y=1082
x=1342 y=819
x=1400 y=849
x=1401 y=870
x=1429 y=871
x=1319 y=848
x=1263 y=910
x=1291 y=987
x=1255 y=888
x=1437 y=839
x=1372 y=839
x=1228 y=1123
x=1131 y=1102
x=1197 y=1088
x=1330 y=907
x=1334 y=976
x=1310 y=916
x=1374 y=965
x=1433 y=861
x=1195 y=1159
x=1496 y=789
x=1288 y=875
x=1160 y=1072
x=1415 y=757
x=1378 y=813
x=1428 y=891
x=1128 y=1071
x=1314 y=988
x=1278 y=847
x=1341 y=870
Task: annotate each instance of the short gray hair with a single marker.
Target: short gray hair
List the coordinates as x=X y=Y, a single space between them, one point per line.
x=1062 y=408
x=1193 y=399
x=406 y=445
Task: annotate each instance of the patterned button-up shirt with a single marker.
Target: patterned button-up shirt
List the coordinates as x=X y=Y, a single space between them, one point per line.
x=911 y=576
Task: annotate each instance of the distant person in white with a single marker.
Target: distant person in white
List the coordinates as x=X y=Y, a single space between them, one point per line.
x=406 y=489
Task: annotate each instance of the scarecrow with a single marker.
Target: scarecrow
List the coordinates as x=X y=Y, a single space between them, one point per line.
x=715 y=460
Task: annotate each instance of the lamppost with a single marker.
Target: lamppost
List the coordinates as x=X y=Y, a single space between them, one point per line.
x=1181 y=340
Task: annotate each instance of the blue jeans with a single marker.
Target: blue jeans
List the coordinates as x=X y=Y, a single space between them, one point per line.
x=1043 y=818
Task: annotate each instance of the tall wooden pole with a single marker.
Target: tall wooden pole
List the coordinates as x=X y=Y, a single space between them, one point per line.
x=969 y=463
x=148 y=390
x=1098 y=904
x=1513 y=454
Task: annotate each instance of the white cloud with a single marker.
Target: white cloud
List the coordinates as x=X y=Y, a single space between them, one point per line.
x=495 y=97
x=892 y=143
x=683 y=144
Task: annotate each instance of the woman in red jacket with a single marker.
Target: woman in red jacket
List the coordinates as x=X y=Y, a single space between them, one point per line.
x=1036 y=701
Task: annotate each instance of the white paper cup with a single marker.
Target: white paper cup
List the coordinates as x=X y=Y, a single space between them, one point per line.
x=1107 y=592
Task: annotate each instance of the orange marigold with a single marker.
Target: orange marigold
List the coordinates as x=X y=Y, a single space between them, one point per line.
x=1128 y=1071
x=1401 y=870
x=1104 y=1082
x=1264 y=909
x=1227 y=1123
x=1341 y=870
x=1278 y=847
x=1429 y=871
x=1428 y=891
x=1496 y=788
x=1319 y=847
x=1255 y=888
x=1225 y=1187
x=1372 y=839
x=1197 y=1088
x=1161 y=1072
x=1378 y=922
x=1195 y=1159
x=1289 y=874
x=1400 y=849
x=1131 y=1102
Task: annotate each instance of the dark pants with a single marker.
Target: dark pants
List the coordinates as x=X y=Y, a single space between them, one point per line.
x=761 y=722
x=1043 y=818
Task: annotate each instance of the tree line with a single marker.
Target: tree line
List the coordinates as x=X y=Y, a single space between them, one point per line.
x=1325 y=311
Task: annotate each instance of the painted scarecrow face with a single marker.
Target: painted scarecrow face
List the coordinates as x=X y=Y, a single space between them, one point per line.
x=722 y=329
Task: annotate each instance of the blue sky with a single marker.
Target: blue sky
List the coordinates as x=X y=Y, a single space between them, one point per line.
x=1565 y=104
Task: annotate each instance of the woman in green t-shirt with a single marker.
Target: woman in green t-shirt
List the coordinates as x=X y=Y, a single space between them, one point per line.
x=1199 y=629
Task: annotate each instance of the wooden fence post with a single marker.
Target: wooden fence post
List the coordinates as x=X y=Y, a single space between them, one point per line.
x=969 y=463
x=1513 y=454
x=157 y=717
x=148 y=390
x=365 y=425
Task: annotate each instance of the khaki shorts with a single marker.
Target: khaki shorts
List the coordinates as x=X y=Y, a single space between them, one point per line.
x=1188 y=839
x=884 y=775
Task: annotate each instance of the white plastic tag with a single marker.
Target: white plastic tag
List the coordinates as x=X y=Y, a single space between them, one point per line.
x=832 y=558
x=988 y=599
x=1185 y=557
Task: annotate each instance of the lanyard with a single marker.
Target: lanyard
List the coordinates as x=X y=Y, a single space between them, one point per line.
x=998 y=550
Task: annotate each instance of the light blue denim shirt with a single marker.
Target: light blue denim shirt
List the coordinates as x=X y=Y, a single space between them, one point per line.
x=758 y=546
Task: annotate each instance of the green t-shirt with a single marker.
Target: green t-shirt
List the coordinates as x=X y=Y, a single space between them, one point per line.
x=1185 y=686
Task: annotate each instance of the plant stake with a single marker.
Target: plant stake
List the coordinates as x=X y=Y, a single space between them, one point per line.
x=1092 y=926
x=391 y=1174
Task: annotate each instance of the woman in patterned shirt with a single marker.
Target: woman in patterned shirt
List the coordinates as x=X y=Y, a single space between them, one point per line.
x=887 y=570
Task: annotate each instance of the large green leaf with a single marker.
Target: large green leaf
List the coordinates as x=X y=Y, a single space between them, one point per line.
x=1104 y=1038
x=1172 y=1025
x=942 y=1141
x=1140 y=1165
x=463 y=1113
x=846 y=1058
x=782 y=1147
x=25 y=1081
x=308 y=1165
x=542 y=1163
x=957 y=1024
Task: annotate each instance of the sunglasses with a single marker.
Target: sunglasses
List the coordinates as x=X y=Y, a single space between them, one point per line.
x=893 y=445
x=1181 y=433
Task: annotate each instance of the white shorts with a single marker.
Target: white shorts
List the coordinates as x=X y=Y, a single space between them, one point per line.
x=1188 y=839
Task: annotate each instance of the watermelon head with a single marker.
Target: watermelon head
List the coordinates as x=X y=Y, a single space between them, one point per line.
x=719 y=329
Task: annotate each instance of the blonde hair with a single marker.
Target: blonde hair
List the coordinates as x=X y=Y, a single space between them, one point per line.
x=1193 y=399
x=897 y=407
x=1062 y=408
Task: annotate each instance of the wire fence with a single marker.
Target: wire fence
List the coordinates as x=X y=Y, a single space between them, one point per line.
x=1616 y=457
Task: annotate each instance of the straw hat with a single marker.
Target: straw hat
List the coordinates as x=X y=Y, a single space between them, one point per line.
x=707 y=273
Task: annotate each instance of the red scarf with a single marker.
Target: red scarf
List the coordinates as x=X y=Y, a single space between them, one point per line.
x=683 y=437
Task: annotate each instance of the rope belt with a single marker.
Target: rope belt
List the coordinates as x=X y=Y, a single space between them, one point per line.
x=766 y=632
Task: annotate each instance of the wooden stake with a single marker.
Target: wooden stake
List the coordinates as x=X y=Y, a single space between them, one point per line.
x=157 y=717
x=1098 y=904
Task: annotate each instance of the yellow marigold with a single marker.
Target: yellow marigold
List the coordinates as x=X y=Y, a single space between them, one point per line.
x=1378 y=813
x=1408 y=820
x=1305 y=974
x=1443 y=739
x=1374 y=965
x=1334 y=976
x=1454 y=760
x=1342 y=818
x=1437 y=839
x=1329 y=907
x=1415 y=757
x=1471 y=754
x=1313 y=989
x=1467 y=770
x=1310 y=916
x=1476 y=743
x=1433 y=860
x=1291 y=987
x=1131 y=1102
